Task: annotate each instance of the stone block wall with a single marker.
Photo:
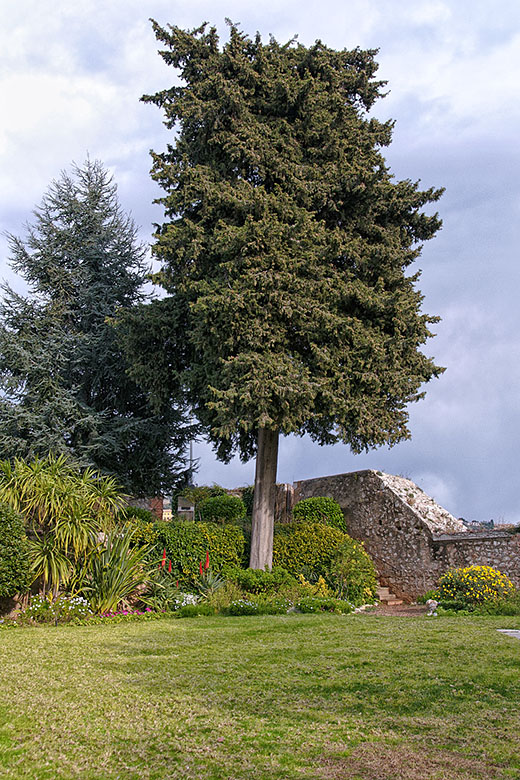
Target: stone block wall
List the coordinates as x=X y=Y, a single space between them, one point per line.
x=411 y=539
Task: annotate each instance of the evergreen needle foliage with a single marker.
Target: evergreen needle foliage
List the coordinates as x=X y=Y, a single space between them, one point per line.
x=64 y=386
x=286 y=246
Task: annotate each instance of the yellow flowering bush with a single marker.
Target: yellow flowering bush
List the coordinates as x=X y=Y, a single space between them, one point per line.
x=474 y=585
x=319 y=588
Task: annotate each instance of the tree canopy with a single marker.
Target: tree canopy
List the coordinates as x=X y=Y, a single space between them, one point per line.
x=64 y=386
x=286 y=247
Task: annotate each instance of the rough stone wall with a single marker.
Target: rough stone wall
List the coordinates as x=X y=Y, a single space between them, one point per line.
x=499 y=549
x=410 y=538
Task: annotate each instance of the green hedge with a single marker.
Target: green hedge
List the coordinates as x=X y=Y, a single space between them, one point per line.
x=306 y=546
x=258 y=581
x=222 y=509
x=140 y=523
x=320 y=510
x=14 y=553
x=186 y=543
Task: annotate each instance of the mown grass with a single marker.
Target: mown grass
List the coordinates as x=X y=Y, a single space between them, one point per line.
x=299 y=696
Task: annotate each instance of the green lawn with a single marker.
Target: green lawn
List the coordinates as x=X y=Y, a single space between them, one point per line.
x=299 y=696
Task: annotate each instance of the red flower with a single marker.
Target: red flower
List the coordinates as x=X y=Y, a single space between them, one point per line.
x=207 y=560
x=177 y=584
x=169 y=567
x=163 y=559
x=200 y=569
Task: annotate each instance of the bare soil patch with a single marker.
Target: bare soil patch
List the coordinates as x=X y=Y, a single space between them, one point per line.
x=401 y=610
x=373 y=761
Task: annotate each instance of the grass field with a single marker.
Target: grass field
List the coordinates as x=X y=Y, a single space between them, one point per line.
x=299 y=696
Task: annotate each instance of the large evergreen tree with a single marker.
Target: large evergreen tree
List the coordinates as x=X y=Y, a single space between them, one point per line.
x=285 y=250
x=64 y=386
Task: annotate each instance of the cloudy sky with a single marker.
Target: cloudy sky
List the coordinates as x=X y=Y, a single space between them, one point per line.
x=71 y=75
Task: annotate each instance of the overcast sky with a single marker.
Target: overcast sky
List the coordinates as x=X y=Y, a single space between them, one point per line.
x=71 y=75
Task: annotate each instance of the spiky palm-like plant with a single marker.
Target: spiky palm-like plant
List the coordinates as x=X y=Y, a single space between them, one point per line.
x=115 y=571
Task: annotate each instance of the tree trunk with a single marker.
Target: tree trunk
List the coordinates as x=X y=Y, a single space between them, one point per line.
x=263 y=501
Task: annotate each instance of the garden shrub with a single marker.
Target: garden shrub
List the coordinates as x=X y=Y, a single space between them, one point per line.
x=197 y=494
x=248 y=494
x=259 y=581
x=222 y=509
x=140 y=523
x=508 y=607
x=352 y=574
x=314 y=604
x=306 y=546
x=139 y=513
x=63 y=609
x=255 y=606
x=115 y=572
x=194 y=610
x=473 y=585
x=186 y=543
x=14 y=553
x=320 y=510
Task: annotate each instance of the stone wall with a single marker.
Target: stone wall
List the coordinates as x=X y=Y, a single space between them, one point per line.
x=411 y=539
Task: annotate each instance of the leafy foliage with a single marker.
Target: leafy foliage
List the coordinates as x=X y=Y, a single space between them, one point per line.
x=64 y=508
x=352 y=574
x=198 y=494
x=320 y=510
x=114 y=572
x=473 y=585
x=140 y=524
x=247 y=497
x=208 y=582
x=63 y=609
x=186 y=544
x=14 y=553
x=53 y=494
x=312 y=546
x=63 y=377
x=258 y=580
x=313 y=604
x=223 y=509
x=49 y=563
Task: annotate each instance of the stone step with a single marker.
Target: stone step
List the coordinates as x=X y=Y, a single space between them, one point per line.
x=386 y=597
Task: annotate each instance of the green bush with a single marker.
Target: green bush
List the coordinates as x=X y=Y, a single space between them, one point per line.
x=64 y=609
x=248 y=494
x=222 y=509
x=252 y=606
x=259 y=581
x=145 y=515
x=14 y=553
x=320 y=510
x=197 y=494
x=186 y=543
x=114 y=573
x=314 y=604
x=140 y=523
x=306 y=547
x=508 y=607
x=194 y=610
x=474 y=585
x=352 y=574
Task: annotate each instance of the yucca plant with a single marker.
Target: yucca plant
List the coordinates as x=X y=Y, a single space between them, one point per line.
x=48 y=563
x=65 y=511
x=46 y=490
x=115 y=571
